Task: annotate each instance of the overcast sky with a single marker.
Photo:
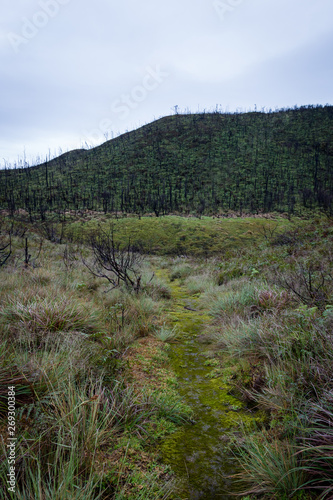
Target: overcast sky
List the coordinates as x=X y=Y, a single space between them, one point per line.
x=77 y=71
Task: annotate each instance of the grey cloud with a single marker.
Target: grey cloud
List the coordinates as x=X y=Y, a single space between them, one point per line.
x=64 y=82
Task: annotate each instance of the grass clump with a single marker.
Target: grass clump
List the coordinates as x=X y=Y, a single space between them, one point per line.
x=180 y=271
x=39 y=315
x=63 y=347
x=270 y=468
x=167 y=334
x=272 y=329
x=200 y=283
x=156 y=288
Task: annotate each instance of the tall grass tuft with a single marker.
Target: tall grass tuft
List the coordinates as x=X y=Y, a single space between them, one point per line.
x=316 y=448
x=269 y=468
x=166 y=333
x=58 y=314
x=70 y=425
x=182 y=270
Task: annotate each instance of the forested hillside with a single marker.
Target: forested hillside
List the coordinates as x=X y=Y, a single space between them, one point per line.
x=201 y=163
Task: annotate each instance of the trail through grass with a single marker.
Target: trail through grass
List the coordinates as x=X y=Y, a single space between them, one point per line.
x=198 y=452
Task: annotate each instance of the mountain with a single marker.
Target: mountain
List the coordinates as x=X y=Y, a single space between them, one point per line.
x=200 y=163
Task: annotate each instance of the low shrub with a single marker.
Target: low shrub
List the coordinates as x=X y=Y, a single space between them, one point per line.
x=234 y=301
x=231 y=273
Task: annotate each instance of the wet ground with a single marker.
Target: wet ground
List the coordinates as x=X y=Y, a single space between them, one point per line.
x=199 y=452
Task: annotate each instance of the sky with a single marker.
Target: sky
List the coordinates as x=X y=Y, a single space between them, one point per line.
x=74 y=73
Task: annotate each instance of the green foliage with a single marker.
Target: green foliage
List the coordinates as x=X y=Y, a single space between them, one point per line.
x=270 y=467
x=63 y=346
x=155 y=287
x=180 y=271
x=201 y=164
x=167 y=334
x=229 y=274
x=36 y=318
x=169 y=406
x=234 y=300
x=181 y=236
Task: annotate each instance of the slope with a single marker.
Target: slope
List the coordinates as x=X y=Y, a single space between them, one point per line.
x=201 y=163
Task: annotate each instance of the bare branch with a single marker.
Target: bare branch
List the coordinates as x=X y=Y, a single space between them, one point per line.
x=114 y=262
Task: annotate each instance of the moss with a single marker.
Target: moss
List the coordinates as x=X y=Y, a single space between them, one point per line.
x=197 y=451
x=211 y=362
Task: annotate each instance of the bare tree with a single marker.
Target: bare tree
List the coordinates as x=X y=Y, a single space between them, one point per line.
x=5 y=249
x=268 y=230
x=69 y=257
x=5 y=243
x=115 y=262
x=28 y=260
x=51 y=231
x=311 y=284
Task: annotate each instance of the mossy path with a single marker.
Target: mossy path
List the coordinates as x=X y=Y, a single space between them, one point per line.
x=198 y=451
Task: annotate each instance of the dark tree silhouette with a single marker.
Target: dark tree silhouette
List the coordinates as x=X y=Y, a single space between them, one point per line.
x=114 y=262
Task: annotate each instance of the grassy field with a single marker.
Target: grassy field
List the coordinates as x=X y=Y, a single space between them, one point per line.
x=271 y=336
x=94 y=390
x=85 y=427
x=175 y=235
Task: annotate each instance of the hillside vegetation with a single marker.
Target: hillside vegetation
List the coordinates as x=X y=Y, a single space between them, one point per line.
x=95 y=395
x=222 y=219
x=204 y=163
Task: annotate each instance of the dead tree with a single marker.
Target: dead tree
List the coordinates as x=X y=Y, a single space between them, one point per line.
x=115 y=262
x=310 y=284
x=5 y=244
x=27 y=256
x=69 y=257
x=5 y=250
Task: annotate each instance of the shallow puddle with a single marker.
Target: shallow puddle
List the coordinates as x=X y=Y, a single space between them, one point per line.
x=198 y=452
